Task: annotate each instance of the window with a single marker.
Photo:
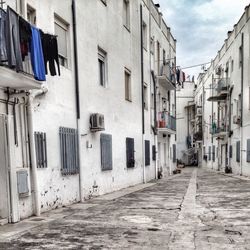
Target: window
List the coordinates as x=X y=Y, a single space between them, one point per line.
x=232 y=65
x=147 y=153
x=106 y=152
x=248 y=150
x=249 y=98
x=41 y=150
x=164 y=57
x=31 y=15
x=145 y=94
x=128 y=90
x=238 y=151
x=130 y=152
x=230 y=151
x=69 y=151
x=61 y=30
x=209 y=153
x=240 y=56
x=152 y=46
x=174 y=152
x=213 y=154
x=126 y=13
x=239 y=106
x=102 y=67
x=153 y=153
x=144 y=35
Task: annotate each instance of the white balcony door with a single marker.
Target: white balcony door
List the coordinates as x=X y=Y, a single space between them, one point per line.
x=4 y=200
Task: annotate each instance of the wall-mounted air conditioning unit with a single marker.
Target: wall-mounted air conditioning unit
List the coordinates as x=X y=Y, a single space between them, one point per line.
x=97 y=122
x=236 y=119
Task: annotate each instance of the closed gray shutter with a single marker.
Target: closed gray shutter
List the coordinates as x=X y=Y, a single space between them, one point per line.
x=248 y=150
x=130 y=151
x=213 y=153
x=238 y=151
x=153 y=153
x=231 y=151
x=174 y=152
x=106 y=152
x=209 y=153
x=147 y=153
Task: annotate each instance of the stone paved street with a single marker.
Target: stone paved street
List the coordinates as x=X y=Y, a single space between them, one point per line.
x=193 y=210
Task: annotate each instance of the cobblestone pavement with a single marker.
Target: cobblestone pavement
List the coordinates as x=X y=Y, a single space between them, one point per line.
x=197 y=209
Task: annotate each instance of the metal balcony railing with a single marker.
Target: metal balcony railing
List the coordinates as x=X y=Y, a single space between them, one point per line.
x=169 y=73
x=165 y=120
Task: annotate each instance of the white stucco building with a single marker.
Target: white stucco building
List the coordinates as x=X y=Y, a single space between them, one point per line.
x=121 y=82
x=223 y=91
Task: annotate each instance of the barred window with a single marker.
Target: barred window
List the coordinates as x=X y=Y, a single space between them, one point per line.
x=69 y=151
x=41 y=150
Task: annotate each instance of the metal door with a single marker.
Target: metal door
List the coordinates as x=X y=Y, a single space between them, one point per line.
x=4 y=200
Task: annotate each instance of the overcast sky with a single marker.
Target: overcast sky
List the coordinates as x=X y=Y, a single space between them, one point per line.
x=200 y=27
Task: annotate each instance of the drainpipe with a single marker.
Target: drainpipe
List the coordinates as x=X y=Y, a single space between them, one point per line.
x=77 y=95
x=155 y=126
x=212 y=138
x=30 y=107
x=242 y=85
x=142 y=95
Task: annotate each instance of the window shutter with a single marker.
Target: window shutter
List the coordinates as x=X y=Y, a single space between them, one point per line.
x=248 y=150
x=130 y=151
x=174 y=152
x=231 y=151
x=153 y=153
x=147 y=153
x=213 y=154
x=238 y=151
x=209 y=153
x=106 y=152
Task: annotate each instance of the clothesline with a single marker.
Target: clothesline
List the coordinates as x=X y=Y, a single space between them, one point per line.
x=194 y=66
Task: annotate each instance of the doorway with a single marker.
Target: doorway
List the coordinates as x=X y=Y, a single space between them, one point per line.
x=4 y=185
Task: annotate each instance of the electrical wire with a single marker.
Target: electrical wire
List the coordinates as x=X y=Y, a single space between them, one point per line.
x=197 y=65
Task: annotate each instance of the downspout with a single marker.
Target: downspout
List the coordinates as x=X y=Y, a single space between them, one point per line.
x=142 y=95
x=242 y=85
x=212 y=138
x=30 y=107
x=78 y=111
x=155 y=126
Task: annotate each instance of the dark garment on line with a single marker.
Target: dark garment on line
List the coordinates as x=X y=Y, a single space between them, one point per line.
x=25 y=36
x=50 y=53
x=13 y=40
x=36 y=54
x=178 y=76
x=3 y=50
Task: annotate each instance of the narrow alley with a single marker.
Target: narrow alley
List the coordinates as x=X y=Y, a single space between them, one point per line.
x=197 y=209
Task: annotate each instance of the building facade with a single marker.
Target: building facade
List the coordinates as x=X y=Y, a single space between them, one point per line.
x=223 y=92
x=106 y=123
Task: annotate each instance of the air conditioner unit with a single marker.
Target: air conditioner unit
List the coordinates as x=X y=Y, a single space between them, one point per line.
x=97 y=122
x=236 y=119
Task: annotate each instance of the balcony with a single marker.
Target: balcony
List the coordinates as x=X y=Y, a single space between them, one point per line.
x=166 y=123
x=221 y=88
x=198 y=136
x=220 y=132
x=167 y=77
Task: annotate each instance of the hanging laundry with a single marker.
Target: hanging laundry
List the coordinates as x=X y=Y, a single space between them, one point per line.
x=181 y=76
x=37 y=59
x=193 y=79
x=50 y=53
x=25 y=36
x=13 y=40
x=3 y=50
x=184 y=77
x=178 y=75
